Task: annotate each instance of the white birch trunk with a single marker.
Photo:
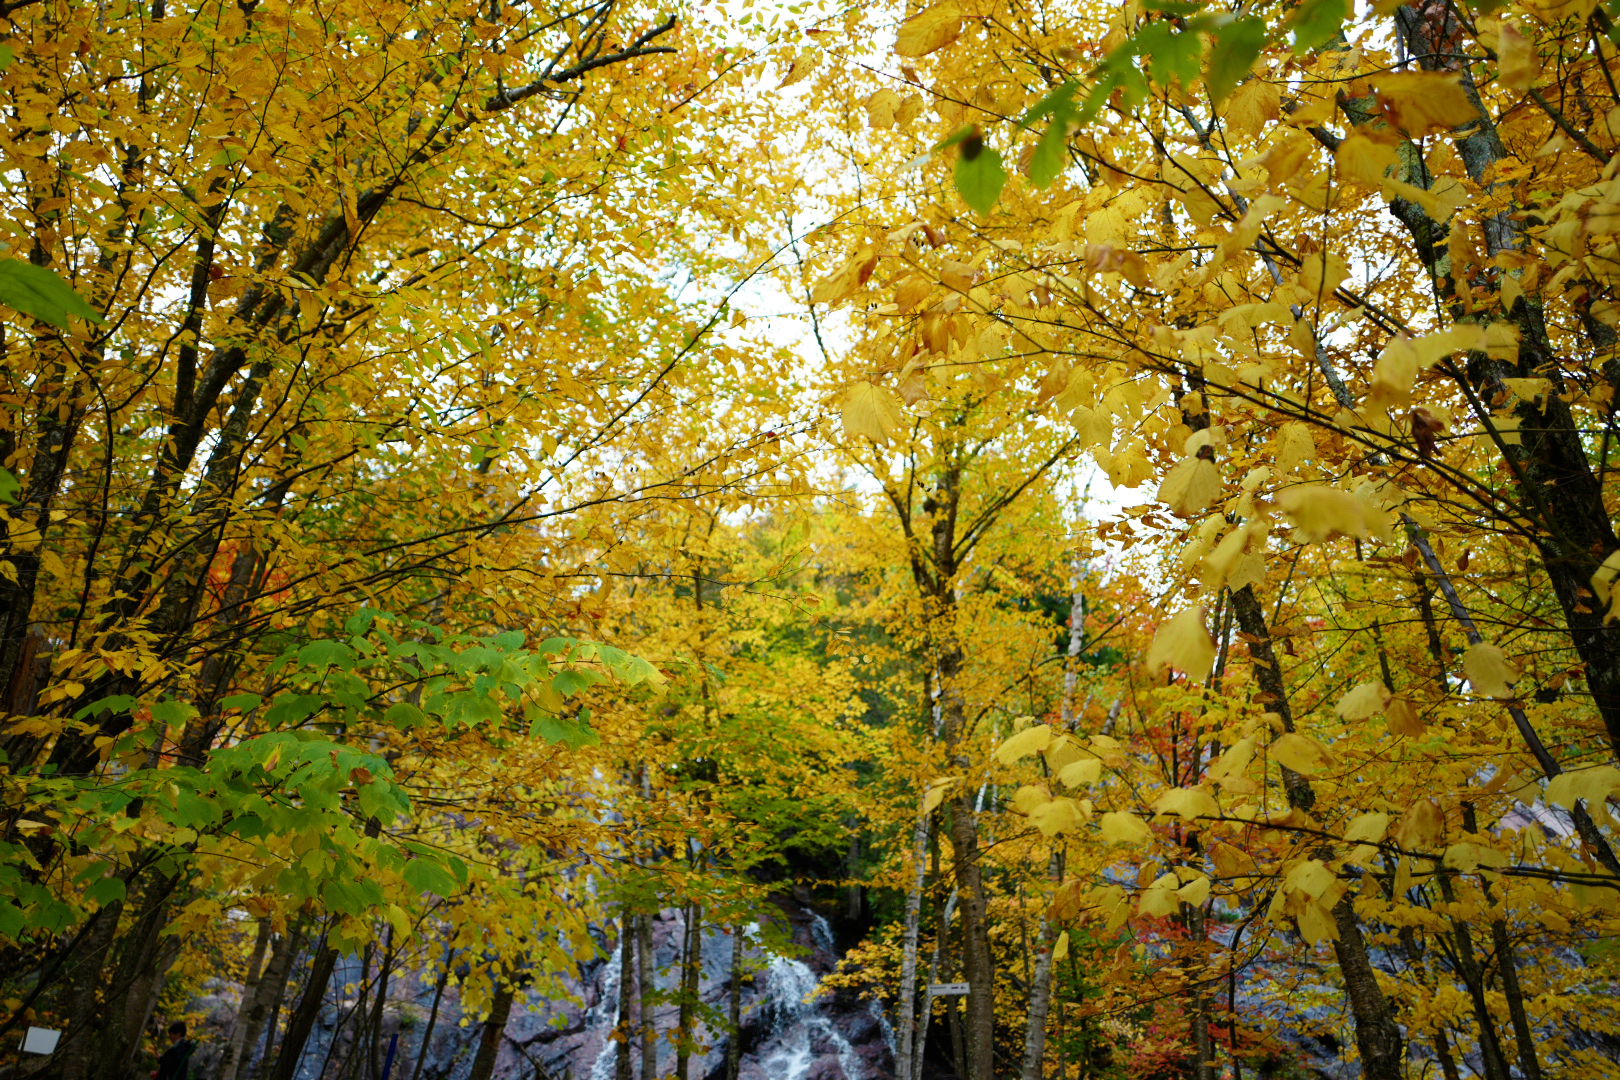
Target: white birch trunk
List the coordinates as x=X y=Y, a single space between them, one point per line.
x=908 y=960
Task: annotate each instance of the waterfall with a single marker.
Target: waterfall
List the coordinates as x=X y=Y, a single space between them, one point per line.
x=797 y=1033
x=604 y=1017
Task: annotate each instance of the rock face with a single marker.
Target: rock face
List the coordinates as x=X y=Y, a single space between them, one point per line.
x=565 y=1033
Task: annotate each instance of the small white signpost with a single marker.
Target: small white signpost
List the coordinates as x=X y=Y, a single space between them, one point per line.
x=947 y=989
x=40 y=1041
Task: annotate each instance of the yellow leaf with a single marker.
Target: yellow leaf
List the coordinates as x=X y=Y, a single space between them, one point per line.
x=1187 y=803
x=1032 y=740
x=1160 y=898
x=803 y=64
x=1403 y=718
x=841 y=284
x=1252 y=106
x=1322 y=272
x=1302 y=754
x=1058 y=816
x=1418 y=102
x=1195 y=892
x=1364 y=161
x=1191 y=485
x=928 y=30
x=1470 y=857
x=1394 y=373
x=1121 y=828
x=1488 y=672
x=1231 y=862
x=1594 y=784
x=1367 y=699
x=881 y=107
x=1367 y=829
x=1183 y=642
x=1310 y=877
x=1028 y=797
x=1320 y=512
x=1084 y=771
x=872 y=412
x=936 y=792
x=1234 y=761
x=1060 y=948
x=1420 y=826
x=1295 y=445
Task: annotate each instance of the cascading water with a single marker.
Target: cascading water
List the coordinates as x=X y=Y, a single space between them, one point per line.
x=604 y=1016
x=797 y=1035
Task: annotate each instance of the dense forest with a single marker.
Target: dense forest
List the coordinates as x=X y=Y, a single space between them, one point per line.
x=987 y=539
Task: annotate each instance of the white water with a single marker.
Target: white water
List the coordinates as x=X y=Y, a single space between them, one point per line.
x=794 y=1032
x=604 y=1017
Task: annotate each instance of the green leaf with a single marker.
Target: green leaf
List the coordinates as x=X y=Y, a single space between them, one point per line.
x=1178 y=8
x=979 y=176
x=1051 y=153
x=1316 y=22
x=245 y=702
x=1237 y=46
x=172 y=712
x=104 y=891
x=9 y=486
x=957 y=137
x=321 y=655
x=574 y=734
x=7 y=55
x=1170 y=55
x=117 y=703
x=424 y=875
x=34 y=290
x=404 y=715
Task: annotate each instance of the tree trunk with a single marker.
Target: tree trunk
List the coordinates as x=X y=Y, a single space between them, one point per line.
x=734 y=1006
x=1378 y=1036
x=691 y=972
x=978 y=962
x=433 y=1013
x=489 y=1043
x=74 y=1055
x=256 y=1003
x=646 y=987
x=304 y=1015
x=1467 y=964
x=622 y=1033
x=908 y=950
x=250 y=994
x=381 y=1002
x=933 y=976
x=1040 y=1000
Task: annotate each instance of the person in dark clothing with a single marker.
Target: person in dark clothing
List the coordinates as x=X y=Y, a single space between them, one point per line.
x=176 y=1060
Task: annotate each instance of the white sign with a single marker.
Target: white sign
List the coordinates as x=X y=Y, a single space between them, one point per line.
x=40 y=1041
x=947 y=989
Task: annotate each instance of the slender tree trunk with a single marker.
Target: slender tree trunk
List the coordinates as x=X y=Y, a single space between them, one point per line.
x=908 y=950
x=1040 y=1000
x=691 y=972
x=734 y=1005
x=256 y=1003
x=1204 y=1066
x=489 y=1043
x=940 y=944
x=304 y=1015
x=250 y=994
x=647 y=986
x=266 y=1060
x=382 y=1001
x=1467 y=963
x=74 y=1055
x=433 y=1013
x=1507 y=963
x=1378 y=1036
x=978 y=962
x=622 y=1034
